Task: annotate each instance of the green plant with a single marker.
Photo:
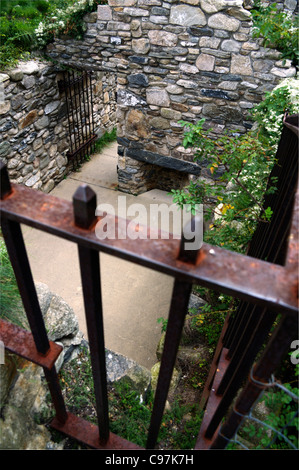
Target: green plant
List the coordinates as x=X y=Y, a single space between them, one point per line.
x=270 y=112
x=28 y=25
x=279 y=428
x=42 y=5
x=209 y=319
x=67 y=19
x=164 y=323
x=106 y=139
x=11 y=308
x=278 y=28
x=180 y=426
x=129 y=415
x=233 y=201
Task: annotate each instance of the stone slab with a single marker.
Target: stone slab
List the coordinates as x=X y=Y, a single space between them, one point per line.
x=164 y=161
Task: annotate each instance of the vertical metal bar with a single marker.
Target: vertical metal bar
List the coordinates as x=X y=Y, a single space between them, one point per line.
x=90 y=108
x=233 y=325
x=76 y=111
x=84 y=115
x=269 y=243
x=84 y=201
x=91 y=100
x=244 y=321
x=277 y=347
x=177 y=313
x=71 y=91
x=17 y=252
x=18 y=256
x=56 y=394
x=235 y=377
x=267 y=240
x=90 y=104
x=213 y=368
x=80 y=84
x=66 y=90
x=91 y=283
x=5 y=186
x=248 y=336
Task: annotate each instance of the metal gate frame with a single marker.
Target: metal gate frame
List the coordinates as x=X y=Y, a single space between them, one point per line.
x=266 y=289
x=77 y=87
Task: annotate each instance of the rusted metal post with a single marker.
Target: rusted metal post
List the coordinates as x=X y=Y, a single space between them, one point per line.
x=19 y=260
x=192 y=231
x=176 y=318
x=56 y=394
x=18 y=256
x=258 y=380
x=5 y=186
x=238 y=369
x=84 y=202
x=177 y=313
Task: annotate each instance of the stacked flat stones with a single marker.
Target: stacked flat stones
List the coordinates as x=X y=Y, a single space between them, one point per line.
x=175 y=60
x=34 y=139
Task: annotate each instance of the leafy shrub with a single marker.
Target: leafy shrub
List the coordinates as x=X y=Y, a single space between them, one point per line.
x=27 y=25
x=270 y=112
x=278 y=429
x=233 y=201
x=209 y=320
x=278 y=28
x=65 y=20
x=42 y=5
x=129 y=415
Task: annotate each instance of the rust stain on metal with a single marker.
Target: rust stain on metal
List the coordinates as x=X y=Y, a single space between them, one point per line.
x=88 y=434
x=20 y=342
x=226 y=271
x=203 y=442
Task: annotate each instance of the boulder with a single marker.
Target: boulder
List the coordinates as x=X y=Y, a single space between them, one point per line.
x=61 y=323
x=176 y=375
x=23 y=386
x=121 y=369
x=19 y=429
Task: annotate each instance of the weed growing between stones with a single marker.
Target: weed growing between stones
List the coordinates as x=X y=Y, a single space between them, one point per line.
x=106 y=139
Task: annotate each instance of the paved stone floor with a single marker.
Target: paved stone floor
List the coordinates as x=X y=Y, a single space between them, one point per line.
x=133 y=297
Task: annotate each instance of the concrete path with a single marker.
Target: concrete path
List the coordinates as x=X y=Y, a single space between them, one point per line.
x=133 y=297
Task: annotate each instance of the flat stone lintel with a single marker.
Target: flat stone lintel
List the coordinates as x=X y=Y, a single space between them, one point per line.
x=163 y=161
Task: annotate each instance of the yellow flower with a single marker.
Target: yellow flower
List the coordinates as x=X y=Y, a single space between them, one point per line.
x=226 y=207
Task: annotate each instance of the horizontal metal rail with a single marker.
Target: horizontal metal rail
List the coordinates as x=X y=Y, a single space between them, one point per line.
x=251 y=279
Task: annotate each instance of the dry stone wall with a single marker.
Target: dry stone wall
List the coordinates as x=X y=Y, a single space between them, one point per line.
x=174 y=60
x=34 y=139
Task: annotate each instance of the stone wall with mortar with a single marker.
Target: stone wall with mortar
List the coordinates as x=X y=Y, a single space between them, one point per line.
x=174 y=60
x=34 y=140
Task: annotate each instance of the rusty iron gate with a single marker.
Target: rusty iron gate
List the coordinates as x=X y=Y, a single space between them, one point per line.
x=78 y=89
x=265 y=280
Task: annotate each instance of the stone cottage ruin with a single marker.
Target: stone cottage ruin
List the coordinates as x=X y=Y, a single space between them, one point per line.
x=158 y=62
